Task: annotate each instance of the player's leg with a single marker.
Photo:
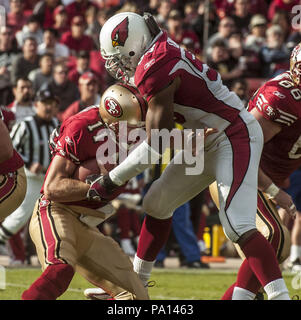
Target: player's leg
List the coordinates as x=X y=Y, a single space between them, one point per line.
x=171 y=190
x=237 y=177
x=103 y=263
x=271 y=227
x=12 y=192
x=52 y=231
x=17 y=219
x=184 y=233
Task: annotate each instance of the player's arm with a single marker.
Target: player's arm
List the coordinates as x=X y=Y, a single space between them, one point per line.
x=6 y=145
x=265 y=183
x=59 y=186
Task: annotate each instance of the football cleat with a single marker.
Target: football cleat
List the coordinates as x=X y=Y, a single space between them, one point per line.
x=97 y=294
x=294 y=266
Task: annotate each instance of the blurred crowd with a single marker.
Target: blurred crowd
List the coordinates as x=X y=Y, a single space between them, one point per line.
x=53 y=45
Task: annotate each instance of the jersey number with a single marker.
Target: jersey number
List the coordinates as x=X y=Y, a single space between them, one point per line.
x=296 y=92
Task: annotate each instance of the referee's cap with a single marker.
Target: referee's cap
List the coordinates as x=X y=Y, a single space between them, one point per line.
x=46 y=94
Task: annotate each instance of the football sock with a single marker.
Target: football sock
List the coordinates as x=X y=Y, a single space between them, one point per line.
x=143 y=268
x=153 y=236
x=242 y=294
x=229 y=293
x=262 y=260
x=295 y=252
x=53 y=282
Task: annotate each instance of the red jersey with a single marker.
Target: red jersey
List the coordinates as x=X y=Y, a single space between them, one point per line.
x=201 y=99
x=77 y=142
x=279 y=100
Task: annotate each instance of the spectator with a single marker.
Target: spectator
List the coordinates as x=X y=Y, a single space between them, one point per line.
x=16 y=18
x=22 y=106
x=240 y=87
x=62 y=87
x=50 y=45
x=274 y=55
x=78 y=8
x=152 y=7
x=88 y=88
x=82 y=66
x=281 y=5
x=225 y=28
x=242 y=15
x=42 y=76
x=93 y=30
x=282 y=18
x=60 y=19
x=247 y=60
x=221 y=60
x=75 y=39
x=294 y=39
x=164 y=9
x=178 y=34
x=256 y=39
x=27 y=61
x=31 y=29
x=198 y=23
x=44 y=11
x=8 y=52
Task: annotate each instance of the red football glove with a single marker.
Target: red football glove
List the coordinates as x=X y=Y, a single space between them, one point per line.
x=102 y=188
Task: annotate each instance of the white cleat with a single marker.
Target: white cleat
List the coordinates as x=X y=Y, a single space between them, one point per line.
x=96 y=294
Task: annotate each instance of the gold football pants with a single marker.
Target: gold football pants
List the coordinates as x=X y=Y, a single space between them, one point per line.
x=60 y=237
x=12 y=192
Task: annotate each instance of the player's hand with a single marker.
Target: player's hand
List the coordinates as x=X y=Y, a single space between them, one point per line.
x=102 y=188
x=285 y=201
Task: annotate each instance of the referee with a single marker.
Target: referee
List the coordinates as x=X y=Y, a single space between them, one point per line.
x=30 y=138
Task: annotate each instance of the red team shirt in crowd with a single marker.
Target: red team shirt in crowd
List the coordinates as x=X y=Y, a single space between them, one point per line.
x=77 y=142
x=279 y=100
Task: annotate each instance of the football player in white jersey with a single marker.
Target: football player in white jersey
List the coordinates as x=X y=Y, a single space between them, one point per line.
x=178 y=86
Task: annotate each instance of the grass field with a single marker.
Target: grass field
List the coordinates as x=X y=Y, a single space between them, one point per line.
x=171 y=284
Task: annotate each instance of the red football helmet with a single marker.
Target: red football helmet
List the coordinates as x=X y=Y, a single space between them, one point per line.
x=295 y=65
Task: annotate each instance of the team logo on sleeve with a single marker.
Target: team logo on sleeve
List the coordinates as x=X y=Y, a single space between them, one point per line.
x=120 y=33
x=113 y=107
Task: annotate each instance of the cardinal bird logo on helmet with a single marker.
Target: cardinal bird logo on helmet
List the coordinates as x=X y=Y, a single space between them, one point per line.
x=120 y=33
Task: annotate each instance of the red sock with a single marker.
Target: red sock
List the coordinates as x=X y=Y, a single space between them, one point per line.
x=153 y=236
x=261 y=258
x=229 y=293
x=53 y=282
x=246 y=278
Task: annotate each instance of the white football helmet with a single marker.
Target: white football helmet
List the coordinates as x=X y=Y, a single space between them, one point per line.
x=295 y=64
x=123 y=40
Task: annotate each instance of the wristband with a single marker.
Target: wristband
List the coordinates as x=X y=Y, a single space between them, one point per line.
x=272 y=191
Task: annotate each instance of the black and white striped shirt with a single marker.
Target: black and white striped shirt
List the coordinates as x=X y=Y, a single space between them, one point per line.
x=30 y=138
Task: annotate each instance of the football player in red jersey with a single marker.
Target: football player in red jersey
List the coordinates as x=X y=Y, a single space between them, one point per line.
x=177 y=85
x=64 y=220
x=276 y=106
x=12 y=176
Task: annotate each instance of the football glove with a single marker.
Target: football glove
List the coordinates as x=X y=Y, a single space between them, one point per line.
x=102 y=188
